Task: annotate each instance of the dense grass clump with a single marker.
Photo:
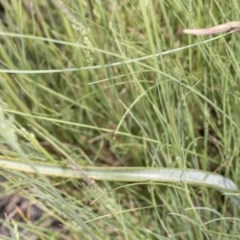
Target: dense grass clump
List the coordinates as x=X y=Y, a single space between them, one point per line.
x=112 y=90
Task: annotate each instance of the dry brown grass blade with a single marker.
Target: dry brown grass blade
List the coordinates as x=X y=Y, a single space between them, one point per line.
x=225 y=27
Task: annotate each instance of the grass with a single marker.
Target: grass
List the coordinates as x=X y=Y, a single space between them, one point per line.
x=107 y=84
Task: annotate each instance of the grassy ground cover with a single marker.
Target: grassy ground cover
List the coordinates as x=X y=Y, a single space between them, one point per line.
x=105 y=84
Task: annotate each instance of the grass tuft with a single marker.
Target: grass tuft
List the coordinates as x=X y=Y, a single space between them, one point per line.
x=114 y=92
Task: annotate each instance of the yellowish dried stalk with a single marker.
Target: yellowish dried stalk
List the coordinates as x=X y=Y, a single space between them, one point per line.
x=225 y=27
